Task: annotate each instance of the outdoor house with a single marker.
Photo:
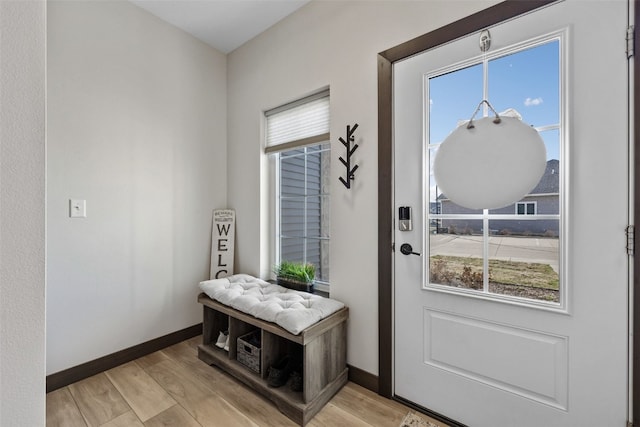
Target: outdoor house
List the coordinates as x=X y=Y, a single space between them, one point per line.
x=543 y=199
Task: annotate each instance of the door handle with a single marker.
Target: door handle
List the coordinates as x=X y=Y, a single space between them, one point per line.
x=406 y=249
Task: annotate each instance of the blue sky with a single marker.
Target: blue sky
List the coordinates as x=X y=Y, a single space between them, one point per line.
x=527 y=81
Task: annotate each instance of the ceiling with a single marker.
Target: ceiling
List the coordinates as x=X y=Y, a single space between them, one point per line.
x=223 y=24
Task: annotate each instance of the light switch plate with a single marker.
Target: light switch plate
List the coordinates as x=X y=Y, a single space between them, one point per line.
x=77 y=208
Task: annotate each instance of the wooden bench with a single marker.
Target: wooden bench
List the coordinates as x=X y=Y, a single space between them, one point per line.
x=323 y=346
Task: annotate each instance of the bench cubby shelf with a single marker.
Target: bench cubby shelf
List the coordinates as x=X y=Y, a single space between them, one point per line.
x=323 y=346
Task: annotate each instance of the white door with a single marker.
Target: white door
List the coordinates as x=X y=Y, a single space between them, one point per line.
x=518 y=316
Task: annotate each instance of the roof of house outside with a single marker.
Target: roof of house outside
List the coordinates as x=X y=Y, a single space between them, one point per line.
x=550 y=181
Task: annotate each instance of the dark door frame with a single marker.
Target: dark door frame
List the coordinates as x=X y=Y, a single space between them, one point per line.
x=494 y=15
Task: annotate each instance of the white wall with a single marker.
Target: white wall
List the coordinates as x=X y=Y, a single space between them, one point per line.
x=22 y=212
x=325 y=43
x=137 y=127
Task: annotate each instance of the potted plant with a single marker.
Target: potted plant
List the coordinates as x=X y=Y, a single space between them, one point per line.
x=295 y=275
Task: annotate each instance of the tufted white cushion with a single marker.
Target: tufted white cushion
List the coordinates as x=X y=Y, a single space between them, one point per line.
x=293 y=310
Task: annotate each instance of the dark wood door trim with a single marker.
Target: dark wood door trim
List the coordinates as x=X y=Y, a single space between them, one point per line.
x=486 y=18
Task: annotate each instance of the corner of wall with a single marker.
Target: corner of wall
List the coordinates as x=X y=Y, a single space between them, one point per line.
x=22 y=217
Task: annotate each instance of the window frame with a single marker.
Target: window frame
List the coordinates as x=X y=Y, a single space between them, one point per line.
x=273 y=157
x=526 y=204
x=563 y=230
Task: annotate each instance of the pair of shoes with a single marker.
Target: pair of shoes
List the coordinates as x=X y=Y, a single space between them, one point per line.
x=223 y=340
x=279 y=373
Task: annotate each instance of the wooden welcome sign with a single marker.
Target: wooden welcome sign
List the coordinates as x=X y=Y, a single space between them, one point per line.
x=222 y=243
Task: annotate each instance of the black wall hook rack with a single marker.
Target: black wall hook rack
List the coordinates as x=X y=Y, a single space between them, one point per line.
x=350 y=151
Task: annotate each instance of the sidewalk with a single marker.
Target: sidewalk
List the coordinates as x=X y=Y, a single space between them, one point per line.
x=523 y=249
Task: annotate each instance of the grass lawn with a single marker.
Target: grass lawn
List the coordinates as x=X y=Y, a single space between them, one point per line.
x=504 y=272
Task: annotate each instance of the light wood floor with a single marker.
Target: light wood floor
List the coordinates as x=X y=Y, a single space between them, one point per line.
x=172 y=387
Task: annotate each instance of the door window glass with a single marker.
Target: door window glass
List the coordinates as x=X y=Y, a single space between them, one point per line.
x=512 y=251
x=304 y=207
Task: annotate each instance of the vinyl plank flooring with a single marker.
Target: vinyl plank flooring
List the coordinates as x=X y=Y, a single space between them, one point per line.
x=251 y=404
x=214 y=411
x=359 y=390
x=373 y=410
x=194 y=342
x=180 y=382
x=98 y=400
x=152 y=359
x=172 y=387
x=142 y=393
x=262 y=411
x=187 y=356
x=128 y=419
x=175 y=416
x=182 y=352
x=201 y=401
x=331 y=416
x=62 y=410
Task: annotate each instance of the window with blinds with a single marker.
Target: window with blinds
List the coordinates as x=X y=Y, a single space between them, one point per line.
x=298 y=138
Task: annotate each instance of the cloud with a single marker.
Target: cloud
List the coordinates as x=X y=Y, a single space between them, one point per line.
x=532 y=102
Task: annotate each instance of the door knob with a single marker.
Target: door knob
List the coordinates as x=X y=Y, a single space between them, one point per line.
x=406 y=249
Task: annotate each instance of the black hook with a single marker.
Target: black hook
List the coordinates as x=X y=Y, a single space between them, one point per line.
x=347 y=163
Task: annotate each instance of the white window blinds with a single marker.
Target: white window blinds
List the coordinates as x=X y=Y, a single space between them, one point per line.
x=298 y=124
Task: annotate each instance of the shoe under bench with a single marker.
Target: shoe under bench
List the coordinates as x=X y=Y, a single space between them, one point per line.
x=323 y=346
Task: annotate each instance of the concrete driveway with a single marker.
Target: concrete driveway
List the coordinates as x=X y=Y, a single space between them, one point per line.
x=523 y=249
